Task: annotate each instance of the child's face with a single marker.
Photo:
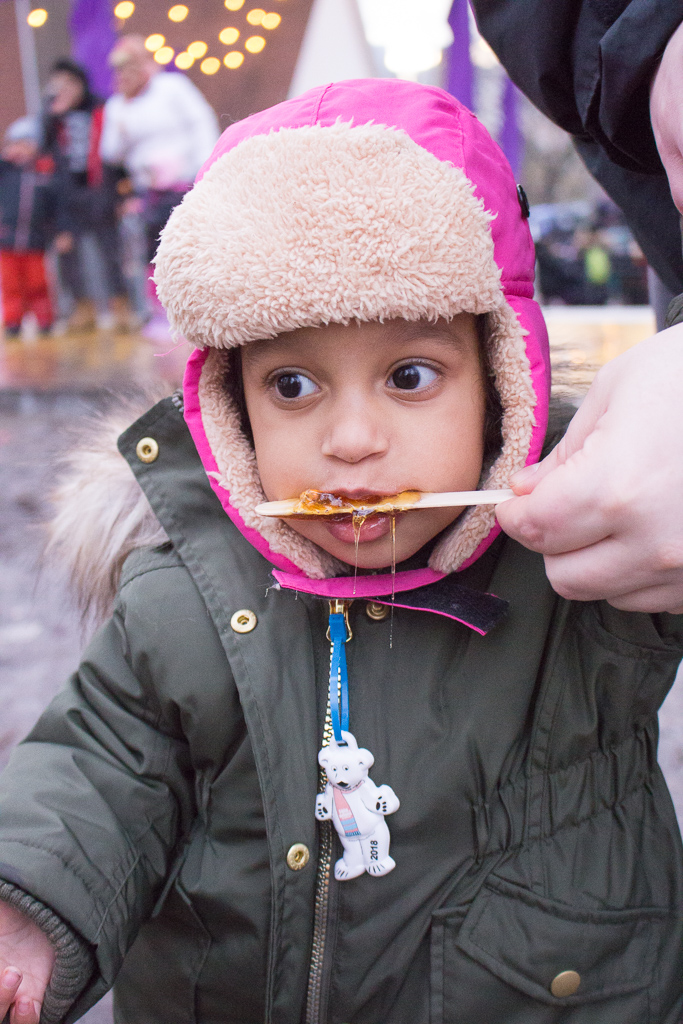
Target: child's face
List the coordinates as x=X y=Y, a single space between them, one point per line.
x=65 y=92
x=368 y=409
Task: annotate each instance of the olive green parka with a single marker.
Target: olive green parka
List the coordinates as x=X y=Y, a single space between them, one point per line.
x=154 y=805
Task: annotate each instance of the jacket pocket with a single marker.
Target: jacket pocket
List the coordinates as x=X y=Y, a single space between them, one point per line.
x=496 y=961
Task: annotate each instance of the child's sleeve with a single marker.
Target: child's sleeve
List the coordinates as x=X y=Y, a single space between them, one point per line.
x=95 y=802
x=74 y=960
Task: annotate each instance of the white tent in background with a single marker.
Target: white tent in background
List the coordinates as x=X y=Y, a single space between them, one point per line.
x=333 y=48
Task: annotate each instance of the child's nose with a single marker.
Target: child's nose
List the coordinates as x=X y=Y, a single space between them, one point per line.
x=355 y=433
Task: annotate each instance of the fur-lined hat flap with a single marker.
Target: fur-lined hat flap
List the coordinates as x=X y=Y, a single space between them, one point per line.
x=364 y=200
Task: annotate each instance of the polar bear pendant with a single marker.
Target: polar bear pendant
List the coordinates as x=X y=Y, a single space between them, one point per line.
x=357 y=808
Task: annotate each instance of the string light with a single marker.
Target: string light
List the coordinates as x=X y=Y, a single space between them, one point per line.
x=164 y=55
x=197 y=49
x=255 y=44
x=154 y=42
x=37 y=17
x=124 y=9
x=229 y=36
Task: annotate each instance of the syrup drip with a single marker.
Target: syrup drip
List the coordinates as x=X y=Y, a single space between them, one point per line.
x=393 y=578
x=323 y=503
x=358 y=519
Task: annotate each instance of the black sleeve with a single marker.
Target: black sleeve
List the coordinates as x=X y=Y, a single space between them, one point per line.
x=588 y=65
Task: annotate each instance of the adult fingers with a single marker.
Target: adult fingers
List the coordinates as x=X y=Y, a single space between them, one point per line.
x=607 y=570
x=14 y=997
x=652 y=600
x=580 y=427
x=10 y=979
x=25 y=1011
x=567 y=510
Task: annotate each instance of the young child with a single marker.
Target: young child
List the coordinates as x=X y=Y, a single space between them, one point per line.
x=355 y=270
x=30 y=214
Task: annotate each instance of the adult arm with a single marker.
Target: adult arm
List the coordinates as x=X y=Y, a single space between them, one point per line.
x=605 y=508
x=588 y=65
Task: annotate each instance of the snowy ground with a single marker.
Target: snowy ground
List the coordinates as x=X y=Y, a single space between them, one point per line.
x=39 y=630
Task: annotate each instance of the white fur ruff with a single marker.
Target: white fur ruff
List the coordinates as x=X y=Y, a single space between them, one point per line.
x=101 y=514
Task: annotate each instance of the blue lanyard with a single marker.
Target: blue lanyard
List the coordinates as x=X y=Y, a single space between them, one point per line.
x=339 y=680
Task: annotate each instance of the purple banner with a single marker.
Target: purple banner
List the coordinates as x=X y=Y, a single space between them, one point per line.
x=92 y=38
x=459 y=74
x=510 y=140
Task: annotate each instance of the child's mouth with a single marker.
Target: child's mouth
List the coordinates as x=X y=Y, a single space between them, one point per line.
x=361 y=519
x=334 y=504
x=364 y=530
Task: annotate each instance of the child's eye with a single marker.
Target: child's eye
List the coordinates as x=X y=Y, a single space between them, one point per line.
x=412 y=376
x=294 y=385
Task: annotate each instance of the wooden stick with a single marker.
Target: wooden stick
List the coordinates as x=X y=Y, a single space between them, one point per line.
x=450 y=499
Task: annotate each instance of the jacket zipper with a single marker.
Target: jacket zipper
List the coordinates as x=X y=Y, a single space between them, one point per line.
x=322 y=885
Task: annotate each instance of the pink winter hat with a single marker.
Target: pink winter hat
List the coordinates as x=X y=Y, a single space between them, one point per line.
x=362 y=200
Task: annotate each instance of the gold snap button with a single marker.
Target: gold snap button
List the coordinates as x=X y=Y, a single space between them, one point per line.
x=298 y=856
x=376 y=611
x=565 y=984
x=147 y=449
x=243 y=621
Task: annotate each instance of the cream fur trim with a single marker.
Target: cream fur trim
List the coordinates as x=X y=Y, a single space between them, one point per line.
x=101 y=514
x=512 y=371
x=316 y=225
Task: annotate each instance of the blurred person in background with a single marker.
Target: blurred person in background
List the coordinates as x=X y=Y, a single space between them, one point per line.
x=159 y=127
x=596 y=266
x=71 y=136
x=32 y=213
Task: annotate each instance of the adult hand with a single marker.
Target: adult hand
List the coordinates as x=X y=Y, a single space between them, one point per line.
x=605 y=508
x=666 y=96
x=26 y=961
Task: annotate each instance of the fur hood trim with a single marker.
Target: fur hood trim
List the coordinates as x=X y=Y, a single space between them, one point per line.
x=101 y=513
x=318 y=225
